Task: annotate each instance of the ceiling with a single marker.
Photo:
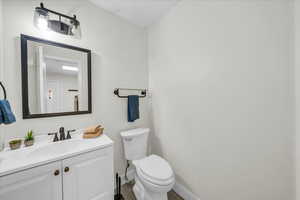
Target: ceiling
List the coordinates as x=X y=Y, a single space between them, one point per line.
x=54 y=66
x=140 y=12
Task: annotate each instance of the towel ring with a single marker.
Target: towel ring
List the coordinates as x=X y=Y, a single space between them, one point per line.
x=3 y=88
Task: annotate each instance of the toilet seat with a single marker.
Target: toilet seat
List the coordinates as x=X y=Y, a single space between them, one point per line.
x=155 y=170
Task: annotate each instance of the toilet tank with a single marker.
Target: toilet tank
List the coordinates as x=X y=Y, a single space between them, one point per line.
x=135 y=143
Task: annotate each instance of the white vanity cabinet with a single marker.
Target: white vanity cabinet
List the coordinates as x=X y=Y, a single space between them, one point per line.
x=38 y=183
x=87 y=176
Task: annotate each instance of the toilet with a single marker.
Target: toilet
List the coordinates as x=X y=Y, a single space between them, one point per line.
x=154 y=177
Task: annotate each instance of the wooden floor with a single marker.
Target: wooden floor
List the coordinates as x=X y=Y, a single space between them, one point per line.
x=128 y=193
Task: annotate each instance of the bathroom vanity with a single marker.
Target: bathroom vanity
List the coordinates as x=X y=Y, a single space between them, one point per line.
x=75 y=169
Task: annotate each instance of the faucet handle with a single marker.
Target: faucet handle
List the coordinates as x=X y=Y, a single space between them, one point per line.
x=69 y=133
x=62 y=133
x=55 y=139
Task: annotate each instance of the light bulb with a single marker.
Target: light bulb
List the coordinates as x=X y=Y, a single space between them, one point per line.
x=40 y=19
x=75 y=29
x=70 y=68
x=42 y=23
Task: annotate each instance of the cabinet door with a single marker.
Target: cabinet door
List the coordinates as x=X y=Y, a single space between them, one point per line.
x=89 y=176
x=35 y=184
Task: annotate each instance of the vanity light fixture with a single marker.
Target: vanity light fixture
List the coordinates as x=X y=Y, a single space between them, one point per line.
x=49 y=20
x=69 y=68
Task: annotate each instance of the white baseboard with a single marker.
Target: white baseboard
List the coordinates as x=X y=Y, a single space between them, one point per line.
x=184 y=192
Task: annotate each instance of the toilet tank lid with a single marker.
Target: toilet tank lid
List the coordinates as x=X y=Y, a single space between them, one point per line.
x=134 y=132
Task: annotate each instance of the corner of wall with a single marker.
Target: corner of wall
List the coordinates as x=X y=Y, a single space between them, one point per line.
x=297 y=96
x=1 y=39
x=1 y=62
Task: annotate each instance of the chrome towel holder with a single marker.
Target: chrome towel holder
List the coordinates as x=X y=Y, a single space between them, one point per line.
x=3 y=88
x=143 y=92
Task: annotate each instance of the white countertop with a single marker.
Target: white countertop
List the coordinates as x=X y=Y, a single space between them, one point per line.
x=45 y=151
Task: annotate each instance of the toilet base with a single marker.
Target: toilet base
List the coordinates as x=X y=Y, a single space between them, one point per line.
x=141 y=193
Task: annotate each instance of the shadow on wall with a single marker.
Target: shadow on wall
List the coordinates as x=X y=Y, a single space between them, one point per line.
x=155 y=143
x=18 y=87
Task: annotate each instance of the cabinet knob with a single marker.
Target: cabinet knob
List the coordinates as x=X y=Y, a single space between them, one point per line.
x=67 y=169
x=56 y=172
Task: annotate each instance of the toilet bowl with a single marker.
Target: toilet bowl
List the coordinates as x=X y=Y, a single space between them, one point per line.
x=154 y=177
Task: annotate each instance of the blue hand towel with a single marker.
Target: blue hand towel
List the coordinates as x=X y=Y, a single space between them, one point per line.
x=133 y=108
x=7 y=115
x=1 y=118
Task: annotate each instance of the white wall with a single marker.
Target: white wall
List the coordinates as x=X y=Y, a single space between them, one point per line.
x=1 y=40
x=221 y=76
x=297 y=94
x=1 y=64
x=119 y=59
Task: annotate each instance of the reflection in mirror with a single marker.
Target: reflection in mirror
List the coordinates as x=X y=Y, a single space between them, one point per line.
x=57 y=79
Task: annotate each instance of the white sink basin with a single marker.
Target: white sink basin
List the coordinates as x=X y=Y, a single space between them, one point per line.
x=56 y=148
x=45 y=151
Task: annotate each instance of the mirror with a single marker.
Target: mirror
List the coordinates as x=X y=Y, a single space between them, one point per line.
x=56 y=78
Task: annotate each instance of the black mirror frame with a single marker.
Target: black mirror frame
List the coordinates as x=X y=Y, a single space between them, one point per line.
x=24 y=66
